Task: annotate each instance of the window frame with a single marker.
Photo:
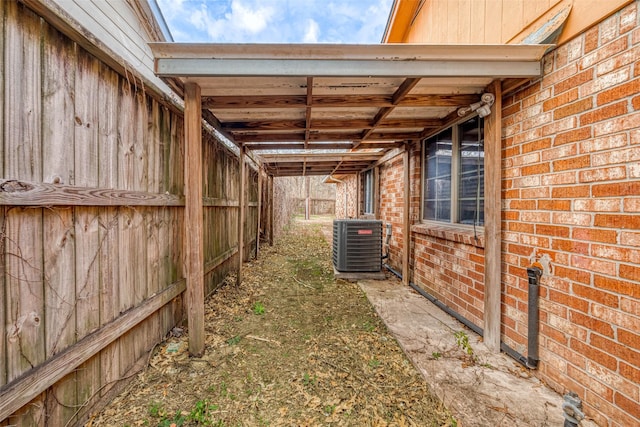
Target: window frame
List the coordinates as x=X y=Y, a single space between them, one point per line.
x=455 y=177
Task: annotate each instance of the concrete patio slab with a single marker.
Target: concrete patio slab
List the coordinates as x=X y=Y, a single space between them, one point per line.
x=493 y=391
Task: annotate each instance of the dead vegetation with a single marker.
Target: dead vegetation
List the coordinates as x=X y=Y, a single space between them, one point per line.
x=290 y=346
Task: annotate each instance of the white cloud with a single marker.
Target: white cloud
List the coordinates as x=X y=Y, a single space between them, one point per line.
x=276 y=21
x=311 y=35
x=248 y=18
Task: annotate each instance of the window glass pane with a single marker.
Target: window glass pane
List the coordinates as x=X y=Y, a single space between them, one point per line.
x=437 y=177
x=368 y=191
x=471 y=180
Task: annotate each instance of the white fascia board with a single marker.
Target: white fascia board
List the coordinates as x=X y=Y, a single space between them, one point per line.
x=213 y=67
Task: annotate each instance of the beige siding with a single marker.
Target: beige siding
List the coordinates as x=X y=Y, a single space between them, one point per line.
x=115 y=24
x=497 y=21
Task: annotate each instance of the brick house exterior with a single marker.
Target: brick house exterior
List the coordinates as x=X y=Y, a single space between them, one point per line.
x=570 y=203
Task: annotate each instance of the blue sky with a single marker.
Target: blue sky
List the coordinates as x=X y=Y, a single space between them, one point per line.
x=276 y=21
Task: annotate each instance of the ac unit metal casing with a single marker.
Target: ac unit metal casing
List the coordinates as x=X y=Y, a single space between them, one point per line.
x=357 y=245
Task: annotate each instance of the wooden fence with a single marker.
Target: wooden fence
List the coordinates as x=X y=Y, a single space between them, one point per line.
x=92 y=202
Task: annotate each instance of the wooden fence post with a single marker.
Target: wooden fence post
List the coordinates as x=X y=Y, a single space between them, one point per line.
x=241 y=202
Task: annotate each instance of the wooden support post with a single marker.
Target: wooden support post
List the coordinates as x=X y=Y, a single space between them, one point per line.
x=272 y=200
x=492 y=221
x=193 y=218
x=307 y=200
x=406 y=210
x=241 y=214
x=259 y=211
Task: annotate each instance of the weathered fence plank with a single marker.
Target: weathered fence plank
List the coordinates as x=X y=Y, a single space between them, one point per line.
x=58 y=128
x=24 y=257
x=108 y=222
x=21 y=391
x=87 y=221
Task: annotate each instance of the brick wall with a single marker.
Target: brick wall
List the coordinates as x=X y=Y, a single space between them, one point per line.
x=390 y=206
x=346 y=190
x=571 y=189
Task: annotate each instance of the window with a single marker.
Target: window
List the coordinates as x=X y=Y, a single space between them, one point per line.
x=453 y=174
x=368 y=188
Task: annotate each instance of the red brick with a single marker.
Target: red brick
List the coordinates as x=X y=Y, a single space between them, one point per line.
x=597 y=387
x=594 y=265
x=537 y=145
x=617 y=221
x=618 y=286
x=619 y=124
x=570 y=191
x=603 y=174
x=629 y=238
x=630 y=272
x=554 y=205
x=591 y=40
x=604 y=143
x=628 y=18
x=619 y=189
x=579 y=162
x=559 y=100
x=535 y=169
x=616 y=349
x=573 y=108
x=560 y=178
x=574 y=81
x=595 y=235
x=552 y=230
x=629 y=339
x=573 y=218
x=636 y=101
x=630 y=372
x=590 y=323
x=572 y=136
x=569 y=301
x=511 y=109
x=618 y=92
x=615 y=253
x=522 y=204
x=572 y=246
x=575 y=275
x=603 y=113
x=593 y=294
x=592 y=353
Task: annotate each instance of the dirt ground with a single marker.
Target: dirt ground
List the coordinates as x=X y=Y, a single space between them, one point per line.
x=291 y=346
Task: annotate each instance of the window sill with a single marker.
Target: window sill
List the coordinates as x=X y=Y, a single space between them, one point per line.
x=451 y=232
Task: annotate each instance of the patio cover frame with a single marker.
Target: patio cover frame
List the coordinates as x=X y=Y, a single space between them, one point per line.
x=399 y=93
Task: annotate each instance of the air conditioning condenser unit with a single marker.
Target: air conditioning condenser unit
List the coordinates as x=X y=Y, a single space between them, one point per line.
x=357 y=245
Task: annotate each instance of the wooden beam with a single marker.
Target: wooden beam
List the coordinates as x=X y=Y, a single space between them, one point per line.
x=241 y=215
x=492 y=221
x=328 y=137
x=298 y=146
x=406 y=217
x=228 y=102
x=193 y=218
x=320 y=157
x=23 y=389
x=255 y=126
x=397 y=97
x=25 y=193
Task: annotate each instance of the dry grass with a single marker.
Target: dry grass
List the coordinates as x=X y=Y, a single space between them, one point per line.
x=291 y=346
